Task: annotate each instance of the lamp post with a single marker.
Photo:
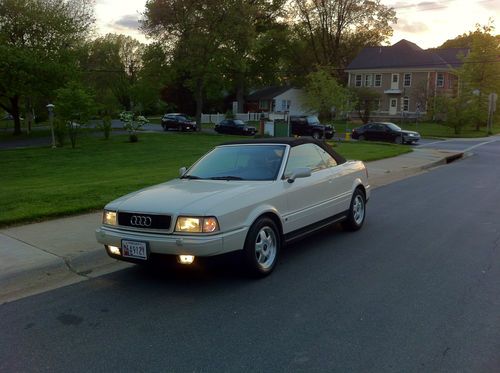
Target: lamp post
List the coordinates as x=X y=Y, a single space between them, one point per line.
x=50 y=108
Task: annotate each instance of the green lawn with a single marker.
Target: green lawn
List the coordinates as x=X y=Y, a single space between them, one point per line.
x=39 y=183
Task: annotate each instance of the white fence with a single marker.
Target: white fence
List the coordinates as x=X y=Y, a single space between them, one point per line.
x=217 y=118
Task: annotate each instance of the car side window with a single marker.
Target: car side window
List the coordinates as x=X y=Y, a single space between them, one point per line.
x=329 y=160
x=306 y=155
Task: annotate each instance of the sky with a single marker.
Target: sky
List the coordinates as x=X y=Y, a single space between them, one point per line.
x=425 y=23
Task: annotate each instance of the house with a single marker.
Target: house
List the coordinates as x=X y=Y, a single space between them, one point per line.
x=405 y=76
x=276 y=100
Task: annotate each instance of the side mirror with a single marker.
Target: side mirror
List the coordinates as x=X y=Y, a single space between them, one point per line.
x=182 y=171
x=299 y=173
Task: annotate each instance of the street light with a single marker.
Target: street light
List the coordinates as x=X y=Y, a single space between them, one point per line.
x=50 y=108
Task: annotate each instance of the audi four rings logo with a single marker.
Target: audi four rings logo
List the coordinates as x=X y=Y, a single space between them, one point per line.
x=140 y=221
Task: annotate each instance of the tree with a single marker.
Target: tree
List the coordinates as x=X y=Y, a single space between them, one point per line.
x=480 y=72
x=74 y=106
x=323 y=93
x=191 y=31
x=112 y=64
x=37 y=41
x=457 y=111
x=336 y=29
x=365 y=102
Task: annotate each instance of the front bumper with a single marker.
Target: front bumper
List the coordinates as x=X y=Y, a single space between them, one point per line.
x=176 y=244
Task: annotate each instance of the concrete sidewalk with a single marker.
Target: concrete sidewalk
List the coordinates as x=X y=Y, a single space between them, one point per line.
x=41 y=256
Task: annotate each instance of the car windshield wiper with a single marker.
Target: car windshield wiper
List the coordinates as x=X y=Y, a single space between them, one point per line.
x=226 y=178
x=190 y=177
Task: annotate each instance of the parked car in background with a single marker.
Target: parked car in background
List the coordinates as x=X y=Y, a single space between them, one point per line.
x=234 y=127
x=309 y=125
x=178 y=121
x=248 y=196
x=385 y=131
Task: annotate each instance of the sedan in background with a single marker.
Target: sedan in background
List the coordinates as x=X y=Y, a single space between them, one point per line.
x=249 y=196
x=385 y=131
x=178 y=121
x=234 y=127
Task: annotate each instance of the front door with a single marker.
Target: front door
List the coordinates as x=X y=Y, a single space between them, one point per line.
x=393 y=106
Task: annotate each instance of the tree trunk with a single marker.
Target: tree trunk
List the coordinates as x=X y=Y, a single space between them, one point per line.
x=240 y=96
x=199 y=102
x=14 y=104
x=28 y=115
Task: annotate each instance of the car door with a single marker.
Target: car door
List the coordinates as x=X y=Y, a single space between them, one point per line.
x=377 y=132
x=308 y=199
x=369 y=132
x=223 y=126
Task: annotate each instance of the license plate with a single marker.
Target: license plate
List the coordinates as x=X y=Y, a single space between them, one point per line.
x=135 y=249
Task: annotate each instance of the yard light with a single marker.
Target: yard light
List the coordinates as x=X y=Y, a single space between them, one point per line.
x=50 y=108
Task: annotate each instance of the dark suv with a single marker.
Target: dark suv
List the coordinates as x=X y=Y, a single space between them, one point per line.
x=177 y=121
x=309 y=125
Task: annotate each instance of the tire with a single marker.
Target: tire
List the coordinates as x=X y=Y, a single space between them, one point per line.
x=398 y=140
x=361 y=138
x=262 y=246
x=164 y=127
x=330 y=136
x=357 y=212
x=179 y=128
x=316 y=135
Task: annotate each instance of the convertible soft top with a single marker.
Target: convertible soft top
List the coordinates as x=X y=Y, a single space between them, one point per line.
x=292 y=141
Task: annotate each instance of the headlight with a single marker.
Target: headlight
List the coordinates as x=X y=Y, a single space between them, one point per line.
x=109 y=217
x=191 y=224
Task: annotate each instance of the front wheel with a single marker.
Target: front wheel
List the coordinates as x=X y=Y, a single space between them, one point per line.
x=361 y=138
x=316 y=135
x=262 y=246
x=357 y=212
x=398 y=140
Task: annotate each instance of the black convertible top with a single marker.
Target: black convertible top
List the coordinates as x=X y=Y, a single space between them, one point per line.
x=292 y=141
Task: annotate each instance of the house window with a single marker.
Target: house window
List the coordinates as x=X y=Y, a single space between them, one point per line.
x=406 y=104
x=395 y=78
x=407 y=80
x=358 y=80
x=285 y=105
x=440 y=80
x=378 y=80
x=264 y=104
x=368 y=80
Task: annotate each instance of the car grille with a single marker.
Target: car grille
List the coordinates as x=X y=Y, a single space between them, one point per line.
x=144 y=221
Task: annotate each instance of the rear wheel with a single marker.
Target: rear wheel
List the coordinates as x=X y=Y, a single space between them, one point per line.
x=398 y=140
x=262 y=247
x=357 y=211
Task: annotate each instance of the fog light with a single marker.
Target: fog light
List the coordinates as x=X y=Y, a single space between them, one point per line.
x=114 y=250
x=186 y=259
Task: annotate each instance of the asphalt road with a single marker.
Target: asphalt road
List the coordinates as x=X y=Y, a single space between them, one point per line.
x=416 y=290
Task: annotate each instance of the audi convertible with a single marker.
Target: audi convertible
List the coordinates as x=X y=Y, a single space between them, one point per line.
x=249 y=196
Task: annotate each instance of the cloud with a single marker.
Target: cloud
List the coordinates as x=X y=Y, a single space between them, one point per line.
x=129 y=21
x=411 y=27
x=491 y=5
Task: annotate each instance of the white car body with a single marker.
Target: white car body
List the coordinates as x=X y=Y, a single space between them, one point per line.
x=298 y=207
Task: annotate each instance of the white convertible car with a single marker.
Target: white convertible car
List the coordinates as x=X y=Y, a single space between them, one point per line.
x=251 y=196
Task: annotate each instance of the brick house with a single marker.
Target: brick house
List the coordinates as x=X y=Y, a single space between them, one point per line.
x=405 y=76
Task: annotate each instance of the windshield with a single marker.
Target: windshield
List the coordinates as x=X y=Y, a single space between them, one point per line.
x=312 y=120
x=239 y=162
x=393 y=127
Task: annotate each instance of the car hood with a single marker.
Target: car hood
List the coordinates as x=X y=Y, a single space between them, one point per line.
x=184 y=196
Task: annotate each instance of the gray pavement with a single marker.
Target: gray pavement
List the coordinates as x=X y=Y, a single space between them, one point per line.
x=42 y=256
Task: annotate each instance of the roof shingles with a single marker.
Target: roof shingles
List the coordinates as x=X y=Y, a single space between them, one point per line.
x=406 y=54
